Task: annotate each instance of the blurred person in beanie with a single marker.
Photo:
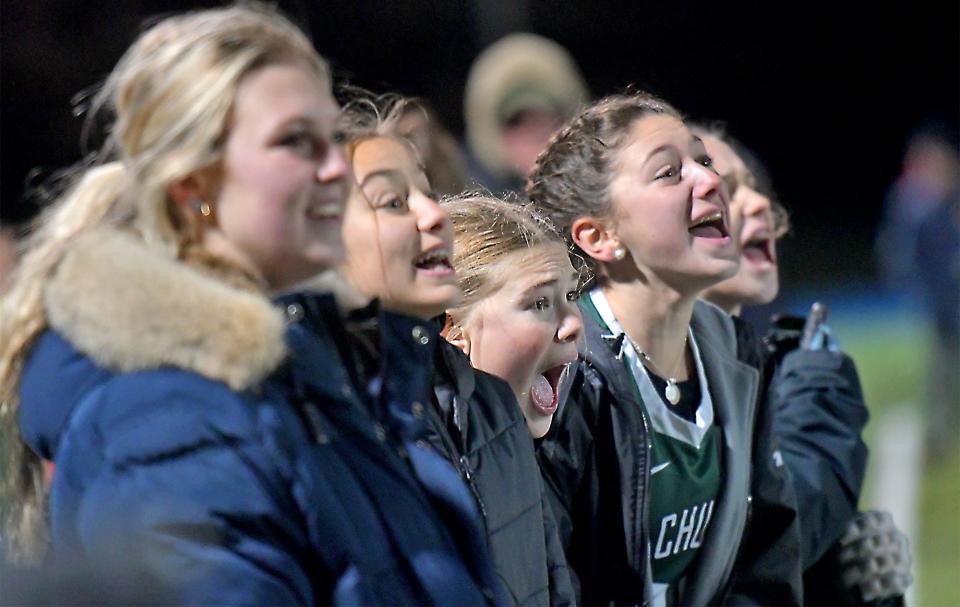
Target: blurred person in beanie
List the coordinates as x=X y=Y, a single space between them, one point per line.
x=520 y=90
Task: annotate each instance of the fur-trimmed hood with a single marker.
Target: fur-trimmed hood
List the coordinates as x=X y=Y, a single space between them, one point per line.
x=130 y=308
x=115 y=305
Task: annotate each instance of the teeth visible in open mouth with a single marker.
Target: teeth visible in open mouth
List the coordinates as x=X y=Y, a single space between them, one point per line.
x=718 y=216
x=430 y=259
x=329 y=210
x=710 y=226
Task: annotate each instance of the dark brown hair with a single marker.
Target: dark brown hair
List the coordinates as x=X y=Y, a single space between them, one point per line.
x=572 y=175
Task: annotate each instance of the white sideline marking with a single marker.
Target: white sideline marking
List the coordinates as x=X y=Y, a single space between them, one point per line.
x=897 y=469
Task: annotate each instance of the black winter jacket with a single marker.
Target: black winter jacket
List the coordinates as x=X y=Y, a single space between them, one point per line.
x=477 y=424
x=596 y=460
x=819 y=418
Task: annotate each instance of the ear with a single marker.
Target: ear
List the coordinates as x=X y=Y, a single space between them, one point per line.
x=456 y=334
x=186 y=190
x=595 y=239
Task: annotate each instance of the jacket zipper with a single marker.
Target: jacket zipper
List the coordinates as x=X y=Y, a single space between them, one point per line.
x=463 y=463
x=644 y=522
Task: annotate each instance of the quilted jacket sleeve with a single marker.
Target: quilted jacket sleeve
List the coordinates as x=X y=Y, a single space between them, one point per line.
x=178 y=484
x=820 y=418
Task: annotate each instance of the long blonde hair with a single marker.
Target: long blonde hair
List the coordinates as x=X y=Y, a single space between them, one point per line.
x=170 y=100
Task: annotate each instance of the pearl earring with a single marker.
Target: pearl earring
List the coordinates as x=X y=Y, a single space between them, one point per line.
x=619 y=253
x=202 y=206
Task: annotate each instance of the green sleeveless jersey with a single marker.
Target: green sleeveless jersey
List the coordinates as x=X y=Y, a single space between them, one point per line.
x=686 y=462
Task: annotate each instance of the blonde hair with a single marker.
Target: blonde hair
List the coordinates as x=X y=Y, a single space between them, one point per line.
x=487 y=229
x=170 y=98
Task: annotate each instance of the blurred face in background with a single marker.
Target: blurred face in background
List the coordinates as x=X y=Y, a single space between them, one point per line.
x=399 y=241
x=752 y=223
x=525 y=330
x=525 y=134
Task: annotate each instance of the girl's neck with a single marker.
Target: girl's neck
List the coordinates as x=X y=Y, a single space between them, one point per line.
x=656 y=318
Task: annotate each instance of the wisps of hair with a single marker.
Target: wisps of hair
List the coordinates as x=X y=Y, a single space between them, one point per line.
x=486 y=230
x=366 y=115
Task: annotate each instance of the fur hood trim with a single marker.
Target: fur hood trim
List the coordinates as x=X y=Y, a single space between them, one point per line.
x=130 y=308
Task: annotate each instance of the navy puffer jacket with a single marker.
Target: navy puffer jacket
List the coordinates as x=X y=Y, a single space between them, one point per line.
x=210 y=448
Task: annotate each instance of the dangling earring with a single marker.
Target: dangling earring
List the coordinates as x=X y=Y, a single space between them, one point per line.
x=202 y=206
x=619 y=253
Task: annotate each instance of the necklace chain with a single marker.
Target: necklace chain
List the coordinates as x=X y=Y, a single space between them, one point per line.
x=672 y=391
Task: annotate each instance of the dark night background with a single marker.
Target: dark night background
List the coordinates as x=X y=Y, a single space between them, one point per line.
x=826 y=93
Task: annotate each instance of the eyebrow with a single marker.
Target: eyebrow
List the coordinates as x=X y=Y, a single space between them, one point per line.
x=663 y=148
x=391 y=174
x=574 y=276
x=668 y=147
x=543 y=283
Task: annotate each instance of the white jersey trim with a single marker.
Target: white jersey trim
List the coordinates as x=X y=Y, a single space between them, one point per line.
x=662 y=419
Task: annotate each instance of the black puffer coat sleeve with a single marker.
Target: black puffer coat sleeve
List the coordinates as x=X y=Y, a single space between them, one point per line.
x=820 y=418
x=768 y=568
x=562 y=593
x=566 y=463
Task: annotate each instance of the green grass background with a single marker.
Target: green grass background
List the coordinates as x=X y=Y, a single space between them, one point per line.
x=891 y=355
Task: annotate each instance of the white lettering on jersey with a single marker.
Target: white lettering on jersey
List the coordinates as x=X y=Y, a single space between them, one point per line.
x=661 y=552
x=674 y=538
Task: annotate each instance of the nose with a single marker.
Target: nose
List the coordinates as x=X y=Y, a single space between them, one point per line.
x=571 y=324
x=707 y=183
x=334 y=166
x=430 y=215
x=754 y=203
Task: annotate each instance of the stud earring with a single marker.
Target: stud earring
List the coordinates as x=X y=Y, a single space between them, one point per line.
x=202 y=206
x=619 y=253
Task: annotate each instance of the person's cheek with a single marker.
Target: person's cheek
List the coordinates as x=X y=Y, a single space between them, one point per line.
x=500 y=351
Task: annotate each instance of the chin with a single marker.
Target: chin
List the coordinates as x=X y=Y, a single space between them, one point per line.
x=539 y=427
x=757 y=290
x=448 y=296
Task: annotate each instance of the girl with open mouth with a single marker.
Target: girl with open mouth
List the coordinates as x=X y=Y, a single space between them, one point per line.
x=650 y=461
x=400 y=250
x=816 y=398
x=519 y=319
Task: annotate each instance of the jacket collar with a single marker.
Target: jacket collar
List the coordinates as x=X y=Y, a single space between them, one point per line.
x=734 y=387
x=130 y=307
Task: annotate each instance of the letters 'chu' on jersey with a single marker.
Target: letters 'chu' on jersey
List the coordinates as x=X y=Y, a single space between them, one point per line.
x=686 y=456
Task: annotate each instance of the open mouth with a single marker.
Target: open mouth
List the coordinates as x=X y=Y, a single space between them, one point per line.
x=710 y=225
x=760 y=249
x=434 y=261
x=545 y=392
x=325 y=211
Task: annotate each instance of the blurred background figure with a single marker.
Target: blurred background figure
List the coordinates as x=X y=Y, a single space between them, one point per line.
x=930 y=175
x=937 y=259
x=519 y=91
x=918 y=253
